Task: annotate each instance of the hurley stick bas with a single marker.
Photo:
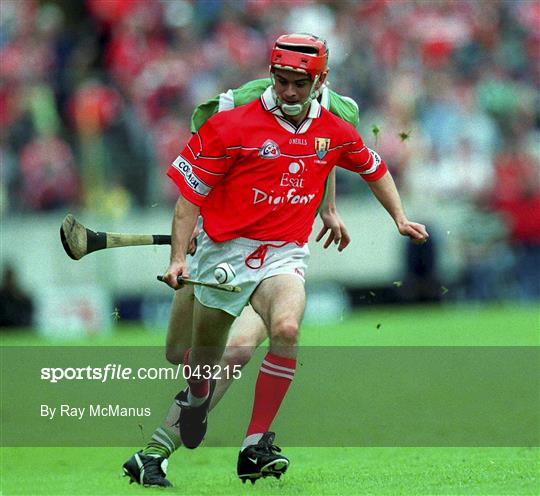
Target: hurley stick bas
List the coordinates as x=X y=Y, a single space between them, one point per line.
x=79 y=241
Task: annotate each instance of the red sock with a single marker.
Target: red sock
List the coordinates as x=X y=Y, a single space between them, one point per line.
x=198 y=387
x=275 y=376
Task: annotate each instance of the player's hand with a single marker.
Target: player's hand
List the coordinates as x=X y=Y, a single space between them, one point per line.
x=417 y=233
x=334 y=226
x=176 y=268
x=192 y=247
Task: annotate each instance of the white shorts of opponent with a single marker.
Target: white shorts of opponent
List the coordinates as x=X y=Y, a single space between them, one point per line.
x=252 y=260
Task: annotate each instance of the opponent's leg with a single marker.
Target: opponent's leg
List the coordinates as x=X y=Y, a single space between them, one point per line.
x=247 y=333
x=280 y=301
x=148 y=467
x=166 y=439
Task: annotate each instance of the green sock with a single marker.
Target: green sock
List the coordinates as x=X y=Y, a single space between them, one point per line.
x=166 y=438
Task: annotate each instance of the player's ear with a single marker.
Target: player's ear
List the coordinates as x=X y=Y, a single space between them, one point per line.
x=322 y=79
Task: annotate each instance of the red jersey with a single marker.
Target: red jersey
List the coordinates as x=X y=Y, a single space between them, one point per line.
x=255 y=175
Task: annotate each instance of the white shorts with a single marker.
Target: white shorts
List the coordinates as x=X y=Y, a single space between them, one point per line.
x=287 y=259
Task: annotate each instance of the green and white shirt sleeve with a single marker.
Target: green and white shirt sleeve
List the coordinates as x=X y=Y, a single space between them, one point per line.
x=342 y=106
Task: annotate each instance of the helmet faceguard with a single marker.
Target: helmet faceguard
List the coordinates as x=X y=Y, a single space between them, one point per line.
x=303 y=53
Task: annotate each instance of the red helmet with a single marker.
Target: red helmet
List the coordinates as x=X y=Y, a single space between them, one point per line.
x=300 y=52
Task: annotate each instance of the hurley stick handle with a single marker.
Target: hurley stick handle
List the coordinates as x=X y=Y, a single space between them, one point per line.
x=222 y=287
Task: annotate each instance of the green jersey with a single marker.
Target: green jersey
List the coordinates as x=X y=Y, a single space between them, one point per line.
x=342 y=106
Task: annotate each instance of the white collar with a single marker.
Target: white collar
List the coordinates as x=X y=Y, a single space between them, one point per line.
x=269 y=104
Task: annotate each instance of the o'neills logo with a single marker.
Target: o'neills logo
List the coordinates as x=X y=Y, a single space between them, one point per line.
x=269 y=149
x=298 y=271
x=322 y=145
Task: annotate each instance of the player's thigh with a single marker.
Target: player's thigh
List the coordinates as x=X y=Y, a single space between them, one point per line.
x=210 y=330
x=180 y=324
x=280 y=300
x=210 y=325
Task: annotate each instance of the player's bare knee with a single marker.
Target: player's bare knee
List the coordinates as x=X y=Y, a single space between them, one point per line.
x=174 y=355
x=285 y=332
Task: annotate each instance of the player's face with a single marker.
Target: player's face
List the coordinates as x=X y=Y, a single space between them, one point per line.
x=292 y=87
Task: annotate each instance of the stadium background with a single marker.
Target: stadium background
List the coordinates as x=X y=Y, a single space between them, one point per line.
x=95 y=99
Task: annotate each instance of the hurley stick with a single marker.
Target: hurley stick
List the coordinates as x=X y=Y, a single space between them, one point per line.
x=79 y=241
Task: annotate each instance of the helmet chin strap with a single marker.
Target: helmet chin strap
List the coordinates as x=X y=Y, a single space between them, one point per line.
x=295 y=109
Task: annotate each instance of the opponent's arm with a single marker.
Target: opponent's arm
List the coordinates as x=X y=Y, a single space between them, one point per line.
x=347 y=109
x=184 y=221
x=331 y=220
x=344 y=107
x=228 y=100
x=386 y=192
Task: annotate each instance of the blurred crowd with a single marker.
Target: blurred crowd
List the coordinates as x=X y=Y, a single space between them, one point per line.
x=96 y=96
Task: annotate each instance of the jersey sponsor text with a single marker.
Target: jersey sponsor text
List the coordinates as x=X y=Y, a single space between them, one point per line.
x=290 y=197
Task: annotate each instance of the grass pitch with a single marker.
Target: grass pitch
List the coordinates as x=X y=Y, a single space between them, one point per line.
x=313 y=471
